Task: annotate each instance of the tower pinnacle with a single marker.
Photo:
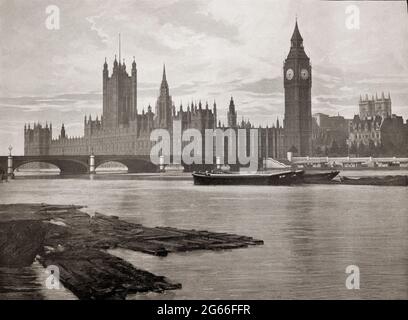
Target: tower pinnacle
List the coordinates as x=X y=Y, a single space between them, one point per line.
x=296 y=39
x=164 y=73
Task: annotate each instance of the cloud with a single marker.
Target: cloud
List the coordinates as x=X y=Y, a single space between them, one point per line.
x=212 y=49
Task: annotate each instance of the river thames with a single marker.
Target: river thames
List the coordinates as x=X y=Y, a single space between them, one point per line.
x=311 y=234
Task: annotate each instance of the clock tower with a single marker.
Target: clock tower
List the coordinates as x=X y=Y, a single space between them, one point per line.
x=297 y=74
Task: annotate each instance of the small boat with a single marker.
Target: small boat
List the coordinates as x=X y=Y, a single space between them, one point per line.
x=279 y=178
x=376 y=181
x=317 y=178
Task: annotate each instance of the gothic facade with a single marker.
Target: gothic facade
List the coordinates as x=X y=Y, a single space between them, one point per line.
x=329 y=135
x=370 y=108
x=297 y=73
x=376 y=131
x=124 y=130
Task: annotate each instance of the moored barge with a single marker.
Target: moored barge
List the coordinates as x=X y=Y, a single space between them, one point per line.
x=278 y=178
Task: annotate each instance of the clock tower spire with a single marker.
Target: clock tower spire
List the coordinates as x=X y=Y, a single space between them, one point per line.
x=297 y=73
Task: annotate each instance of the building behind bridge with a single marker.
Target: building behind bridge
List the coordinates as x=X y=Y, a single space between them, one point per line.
x=375 y=131
x=330 y=134
x=124 y=130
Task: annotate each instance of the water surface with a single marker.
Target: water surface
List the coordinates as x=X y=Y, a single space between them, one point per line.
x=311 y=234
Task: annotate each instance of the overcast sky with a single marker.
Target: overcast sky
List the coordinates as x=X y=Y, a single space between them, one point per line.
x=212 y=49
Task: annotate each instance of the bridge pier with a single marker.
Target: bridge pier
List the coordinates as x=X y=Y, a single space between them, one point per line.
x=218 y=163
x=289 y=156
x=92 y=164
x=161 y=164
x=10 y=168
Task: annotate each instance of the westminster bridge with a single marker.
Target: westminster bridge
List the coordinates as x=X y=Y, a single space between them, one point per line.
x=79 y=164
x=83 y=164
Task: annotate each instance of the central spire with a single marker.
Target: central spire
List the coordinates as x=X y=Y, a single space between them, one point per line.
x=296 y=39
x=164 y=87
x=164 y=73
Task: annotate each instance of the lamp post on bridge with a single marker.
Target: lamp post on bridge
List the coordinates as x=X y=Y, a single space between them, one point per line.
x=92 y=163
x=10 y=170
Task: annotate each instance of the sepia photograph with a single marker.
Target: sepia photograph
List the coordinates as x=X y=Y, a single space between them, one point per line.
x=213 y=150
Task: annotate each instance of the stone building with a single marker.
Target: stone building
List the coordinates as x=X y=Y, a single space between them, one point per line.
x=123 y=129
x=37 y=140
x=369 y=108
x=329 y=134
x=297 y=73
x=376 y=131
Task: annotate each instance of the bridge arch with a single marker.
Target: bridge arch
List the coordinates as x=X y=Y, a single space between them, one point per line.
x=66 y=166
x=133 y=165
x=99 y=165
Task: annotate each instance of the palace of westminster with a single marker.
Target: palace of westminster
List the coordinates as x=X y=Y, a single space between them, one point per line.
x=124 y=130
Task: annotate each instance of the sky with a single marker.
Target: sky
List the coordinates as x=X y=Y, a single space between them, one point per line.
x=213 y=49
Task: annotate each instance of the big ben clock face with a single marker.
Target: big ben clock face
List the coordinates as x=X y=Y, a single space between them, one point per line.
x=304 y=74
x=289 y=74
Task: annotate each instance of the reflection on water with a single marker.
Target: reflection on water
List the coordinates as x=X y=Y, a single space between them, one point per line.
x=311 y=234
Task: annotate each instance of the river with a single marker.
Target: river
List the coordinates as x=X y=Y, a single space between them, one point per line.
x=311 y=234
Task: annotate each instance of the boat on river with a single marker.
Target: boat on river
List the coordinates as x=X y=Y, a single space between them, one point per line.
x=376 y=181
x=226 y=178
x=319 y=178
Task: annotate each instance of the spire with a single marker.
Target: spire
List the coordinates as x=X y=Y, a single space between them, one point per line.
x=115 y=63
x=63 y=134
x=164 y=88
x=296 y=37
x=164 y=73
x=134 y=63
